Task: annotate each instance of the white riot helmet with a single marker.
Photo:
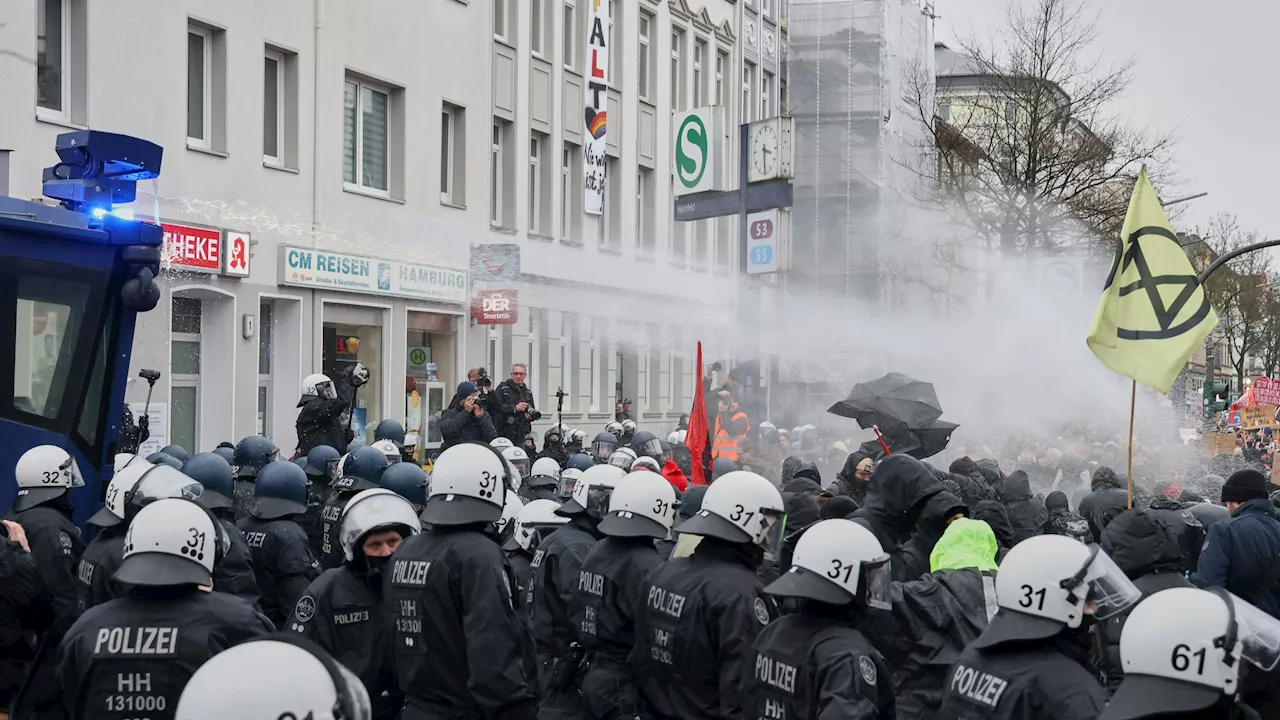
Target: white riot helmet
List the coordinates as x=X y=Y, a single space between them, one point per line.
x=44 y=473
x=591 y=492
x=510 y=511
x=279 y=677
x=320 y=385
x=629 y=426
x=388 y=448
x=1181 y=650
x=613 y=427
x=642 y=505
x=125 y=477
x=836 y=562
x=500 y=443
x=569 y=478
x=741 y=507
x=545 y=471
x=171 y=542
x=468 y=485
x=519 y=460
x=646 y=463
x=623 y=458
x=535 y=518
x=374 y=511
x=1045 y=584
x=677 y=437
x=578 y=436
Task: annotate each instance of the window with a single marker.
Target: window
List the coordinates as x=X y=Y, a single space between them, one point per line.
x=501 y=20
x=53 y=56
x=615 y=64
x=677 y=40
x=493 y=349
x=571 y=33
x=566 y=371
x=645 y=214
x=537 y=27
x=641 y=225
x=365 y=161
x=496 y=176
x=199 y=86
x=678 y=231
x=266 y=338
x=747 y=73
x=944 y=111
x=273 y=108
x=606 y=217
x=535 y=183
x=642 y=62
x=453 y=166
x=720 y=57
x=571 y=194
x=699 y=51
x=766 y=95
x=566 y=185
x=595 y=377
x=184 y=372
x=766 y=7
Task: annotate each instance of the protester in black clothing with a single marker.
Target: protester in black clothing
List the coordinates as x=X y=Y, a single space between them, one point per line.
x=1109 y=498
x=1061 y=521
x=512 y=406
x=465 y=420
x=25 y=609
x=1026 y=511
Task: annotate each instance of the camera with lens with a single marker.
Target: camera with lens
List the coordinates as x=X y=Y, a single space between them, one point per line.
x=483 y=381
x=534 y=416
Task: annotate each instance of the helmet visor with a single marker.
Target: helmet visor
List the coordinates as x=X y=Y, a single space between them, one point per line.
x=621 y=460
x=652 y=447
x=1258 y=634
x=602 y=449
x=326 y=390
x=773 y=526
x=568 y=479
x=598 y=500
x=877 y=577
x=71 y=470
x=522 y=466
x=331 y=467
x=1109 y=588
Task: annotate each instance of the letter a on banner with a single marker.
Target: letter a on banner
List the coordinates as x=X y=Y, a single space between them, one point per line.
x=596 y=98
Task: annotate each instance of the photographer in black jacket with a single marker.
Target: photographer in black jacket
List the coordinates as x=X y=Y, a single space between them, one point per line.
x=511 y=404
x=465 y=420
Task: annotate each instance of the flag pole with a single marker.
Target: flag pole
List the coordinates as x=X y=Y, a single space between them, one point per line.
x=1133 y=403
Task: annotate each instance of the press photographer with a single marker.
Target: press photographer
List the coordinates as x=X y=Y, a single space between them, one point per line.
x=511 y=404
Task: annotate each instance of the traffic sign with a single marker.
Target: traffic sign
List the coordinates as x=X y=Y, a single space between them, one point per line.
x=765 y=233
x=698 y=151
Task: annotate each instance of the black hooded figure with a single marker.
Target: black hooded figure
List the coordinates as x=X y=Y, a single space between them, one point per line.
x=995 y=514
x=1026 y=512
x=937 y=514
x=900 y=487
x=847 y=482
x=1146 y=547
x=1108 y=499
x=1061 y=521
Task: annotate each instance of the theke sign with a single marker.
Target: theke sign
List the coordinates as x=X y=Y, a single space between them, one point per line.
x=1266 y=391
x=495 y=307
x=193 y=248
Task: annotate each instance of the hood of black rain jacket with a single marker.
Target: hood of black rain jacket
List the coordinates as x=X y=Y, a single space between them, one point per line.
x=898 y=484
x=807 y=470
x=1105 y=478
x=994 y=514
x=1140 y=542
x=1017 y=486
x=802 y=485
x=990 y=471
x=789 y=466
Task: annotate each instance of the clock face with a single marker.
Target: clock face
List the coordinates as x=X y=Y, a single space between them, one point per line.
x=764 y=150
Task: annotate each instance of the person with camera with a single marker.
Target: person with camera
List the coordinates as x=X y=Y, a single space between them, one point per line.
x=512 y=406
x=465 y=420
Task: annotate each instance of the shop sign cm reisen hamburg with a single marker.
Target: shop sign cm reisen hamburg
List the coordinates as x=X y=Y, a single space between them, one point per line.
x=311 y=268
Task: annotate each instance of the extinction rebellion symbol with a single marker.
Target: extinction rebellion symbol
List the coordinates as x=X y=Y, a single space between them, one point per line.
x=1150 y=285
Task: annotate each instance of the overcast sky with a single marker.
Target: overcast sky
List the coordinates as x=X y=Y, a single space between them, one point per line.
x=1204 y=70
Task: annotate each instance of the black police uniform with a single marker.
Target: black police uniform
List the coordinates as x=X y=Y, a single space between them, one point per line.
x=234 y=575
x=342 y=490
x=521 y=565
x=320 y=420
x=97 y=566
x=695 y=631
x=132 y=656
x=1031 y=680
x=343 y=613
x=318 y=492
x=282 y=564
x=461 y=643
x=553 y=583
x=610 y=592
x=24 y=611
x=806 y=666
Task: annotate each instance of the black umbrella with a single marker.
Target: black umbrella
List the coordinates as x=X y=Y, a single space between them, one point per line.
x=895 y=403
x=920 y=443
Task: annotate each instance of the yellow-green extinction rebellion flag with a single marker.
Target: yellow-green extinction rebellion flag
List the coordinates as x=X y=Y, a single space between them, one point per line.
x=1153 y=314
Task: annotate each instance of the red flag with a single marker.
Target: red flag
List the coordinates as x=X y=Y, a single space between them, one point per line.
x=697 y=439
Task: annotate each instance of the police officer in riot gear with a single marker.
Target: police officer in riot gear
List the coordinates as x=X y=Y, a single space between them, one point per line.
x=235 y=573
x=703 y=612
x=391 y=430
x=279 y=676
x=810 y=661
x=543 y=482
x=282 y=557
x=360 y=470
x=343 y=612
x=130 y=657
x=610 y=590
x=322 y=405
x=1182 y=649
x=603 y=446
x=322 y=470
x=106 y=551
x=45 y=475
x=461 y=647
x=252 y=454
x=177 y=452
x=535 y=521
x=646 y=444
x=409 y=481
x=1030 y=662
x=553 y=584
x=553 y=446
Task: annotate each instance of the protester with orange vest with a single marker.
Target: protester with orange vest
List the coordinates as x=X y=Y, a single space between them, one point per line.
x=731 y=428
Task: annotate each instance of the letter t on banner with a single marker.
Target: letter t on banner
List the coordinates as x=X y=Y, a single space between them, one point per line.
x=596 y=100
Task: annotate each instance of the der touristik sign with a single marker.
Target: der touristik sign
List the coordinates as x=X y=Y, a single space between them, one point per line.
x=328 y=270
x=495 y=307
